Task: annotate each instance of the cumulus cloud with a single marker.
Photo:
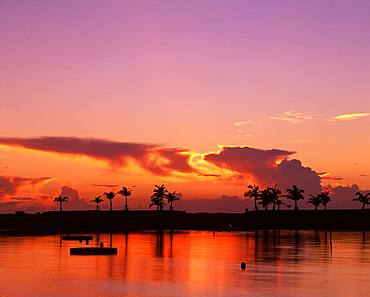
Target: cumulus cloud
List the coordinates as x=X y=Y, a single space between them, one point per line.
x=154 y=158
x=266 y=167
x=74 y=200
x=350 y=116
x=250 y=161
x=342 y=196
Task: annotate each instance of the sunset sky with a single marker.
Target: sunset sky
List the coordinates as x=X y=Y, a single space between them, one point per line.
x=203 y=96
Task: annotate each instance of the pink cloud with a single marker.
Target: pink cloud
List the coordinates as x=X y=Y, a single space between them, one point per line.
x=154 y=158
x=267 y=167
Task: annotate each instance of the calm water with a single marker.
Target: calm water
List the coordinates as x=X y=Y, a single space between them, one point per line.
x=280 y=263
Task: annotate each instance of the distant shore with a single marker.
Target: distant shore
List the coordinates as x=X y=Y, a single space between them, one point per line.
x=53 y=222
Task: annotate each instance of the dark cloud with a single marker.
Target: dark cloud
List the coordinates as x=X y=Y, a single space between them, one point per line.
x=342 y=196
x=331 y=178
x=154 y=158
x=258 y=163
x=44 y=197
x=292 y=172
x=29 y=206
x=267 y=167
x=327 y=176
x=105 y=185
x=74 y=200
x=21 y=198
x=9 y=185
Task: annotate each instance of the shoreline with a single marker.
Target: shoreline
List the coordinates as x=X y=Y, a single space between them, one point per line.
x=52 y=222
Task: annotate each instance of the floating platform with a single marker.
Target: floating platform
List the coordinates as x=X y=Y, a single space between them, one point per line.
x=93 y=251
x=77 y=237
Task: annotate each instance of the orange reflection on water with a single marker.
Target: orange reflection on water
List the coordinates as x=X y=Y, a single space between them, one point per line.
x=164 y=263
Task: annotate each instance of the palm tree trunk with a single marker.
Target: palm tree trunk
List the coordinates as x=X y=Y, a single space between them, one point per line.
x=171 y=207
x=315 y=207
x=97 y=207
x=325 y=206
x=363 y=206
x=255 y=204
x=126 y=205
x=60 y=206
x=110 y=204
x=295 y=205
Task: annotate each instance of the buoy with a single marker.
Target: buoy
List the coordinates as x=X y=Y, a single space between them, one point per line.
x=243 y=265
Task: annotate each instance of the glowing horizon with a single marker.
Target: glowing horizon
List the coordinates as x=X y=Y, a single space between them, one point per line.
x=138 y=93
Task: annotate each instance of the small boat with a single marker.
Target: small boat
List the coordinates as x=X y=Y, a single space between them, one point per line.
x=77 y=237
x=93 y=251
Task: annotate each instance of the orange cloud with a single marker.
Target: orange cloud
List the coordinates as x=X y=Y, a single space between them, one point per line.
x=350 y=116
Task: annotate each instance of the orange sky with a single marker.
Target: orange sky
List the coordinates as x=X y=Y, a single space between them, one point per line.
x=266 y=76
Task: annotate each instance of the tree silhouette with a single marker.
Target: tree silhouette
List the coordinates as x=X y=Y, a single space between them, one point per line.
x=157 y=199
x=324 y=198
x=254 y=193
x=60 y=200
x=295 y=194
x=362 y=198
x=171 y=198
x=275 y=196
x=125 y=192
x=280 y=202
x=97 y=200
x=110 y=196
x=266 y=198
x=315 y=201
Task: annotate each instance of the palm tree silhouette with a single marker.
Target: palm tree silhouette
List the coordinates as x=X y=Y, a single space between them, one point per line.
x=315 y=201
x=254 y=193
x=110 y=196
x=362 y=198
x=97 y=200
x=171 y=198
x=266 y=198
x=279 y=202
x=295 y=194
x=275 y=194
x=159 y=194
x=60 y=200
x=125 y=192
x=325 y=198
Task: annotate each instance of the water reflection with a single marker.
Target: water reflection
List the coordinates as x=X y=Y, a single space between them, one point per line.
x=159 y=243
x=174 y=263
